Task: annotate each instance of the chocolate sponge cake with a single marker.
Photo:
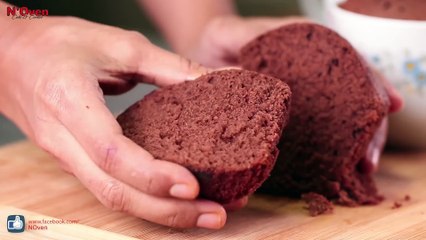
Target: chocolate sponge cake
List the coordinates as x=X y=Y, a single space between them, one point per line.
x=397 y=9
x=224 y=127
x=337 y=106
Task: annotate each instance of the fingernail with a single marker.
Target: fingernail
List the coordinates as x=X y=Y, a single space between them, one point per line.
x=210 y=220
x=376 y=156
x=229 y=68
x=193 y=77
x=198 y=73
x=181 y=191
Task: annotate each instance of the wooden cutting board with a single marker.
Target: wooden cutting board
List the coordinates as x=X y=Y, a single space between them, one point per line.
x=32 y=184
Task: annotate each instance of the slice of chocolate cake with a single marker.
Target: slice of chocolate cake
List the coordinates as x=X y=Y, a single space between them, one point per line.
x=224 y=127
x=337 y=106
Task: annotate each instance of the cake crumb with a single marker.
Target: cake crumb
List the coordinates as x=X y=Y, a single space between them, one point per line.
x=407 y=198
x=317 y=204
x=396 y=205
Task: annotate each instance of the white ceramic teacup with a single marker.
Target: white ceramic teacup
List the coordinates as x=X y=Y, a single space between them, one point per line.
x=313 y=9
x=397 y=48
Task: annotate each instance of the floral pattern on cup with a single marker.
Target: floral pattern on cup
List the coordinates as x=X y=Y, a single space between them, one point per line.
x=415 y=70
x=413 y=78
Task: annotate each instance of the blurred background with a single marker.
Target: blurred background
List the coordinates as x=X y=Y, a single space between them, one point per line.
x=129 y=15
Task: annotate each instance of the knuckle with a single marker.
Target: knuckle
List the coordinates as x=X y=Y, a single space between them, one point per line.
x=113 y=196
x=172 y=220
x=59 y=29
x=109 y=159
x=137 y=37
x=52 y=95
x=181 y=219
x=155 y=181
x=132 y=41
x=131 y=44
x=148 y=187
x=49 y=93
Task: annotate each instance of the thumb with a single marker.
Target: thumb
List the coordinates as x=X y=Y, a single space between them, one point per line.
x=160 y=67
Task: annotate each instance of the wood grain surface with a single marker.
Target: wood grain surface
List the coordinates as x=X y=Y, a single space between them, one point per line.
x=32 y=184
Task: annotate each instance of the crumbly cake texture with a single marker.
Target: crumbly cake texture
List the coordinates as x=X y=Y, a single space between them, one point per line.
x=317 y=204
x=337 y=106
x=224 y=127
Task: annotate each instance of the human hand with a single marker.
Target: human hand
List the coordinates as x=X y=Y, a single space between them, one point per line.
x=53 y=72
x=219 y=45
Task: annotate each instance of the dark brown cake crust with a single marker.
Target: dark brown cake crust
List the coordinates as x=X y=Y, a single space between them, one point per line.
x=224 y=127
x=397 y=9
x=337 y=106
